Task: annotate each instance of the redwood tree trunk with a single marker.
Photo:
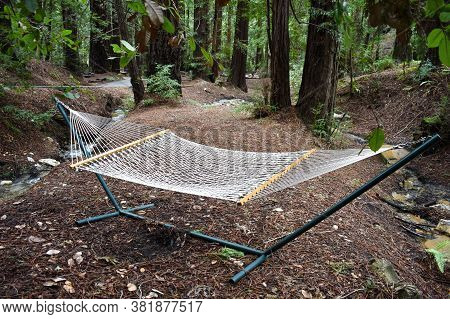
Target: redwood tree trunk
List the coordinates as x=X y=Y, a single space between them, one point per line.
x=201 y=29
x=239 y=59
x=281 y=94
x=217 y=30
x=160 y=52
x=133 y=69
x=71 y=58
x=402 y=48
x=99 y=47
x=318 y=89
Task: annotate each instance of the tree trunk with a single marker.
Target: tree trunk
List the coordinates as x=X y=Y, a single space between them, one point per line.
x=99 y=47
x=160 y=52
x=201 y=29
x=402 y=48
x=318 y=89
x=281 y=94
x=71 y=58
x=425 y=26
x=239 y=59
x=133 y=69
x=217 y=30
x=114 y=32
x=259 y=47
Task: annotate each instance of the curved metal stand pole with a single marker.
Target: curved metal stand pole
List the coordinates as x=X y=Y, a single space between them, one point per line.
x=337 y=206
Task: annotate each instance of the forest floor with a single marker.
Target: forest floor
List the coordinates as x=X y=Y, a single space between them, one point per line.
x=122 y=258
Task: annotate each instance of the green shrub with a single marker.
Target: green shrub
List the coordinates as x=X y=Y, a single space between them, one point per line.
x=383 y=64
x=162 y=84
x=38 y=119
x=148 y=102
x=423 y=71
x=258 y=108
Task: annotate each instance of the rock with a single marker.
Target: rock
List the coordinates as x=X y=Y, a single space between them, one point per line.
x=278 y=210
x=444 y=226
x=385 y=270
x=34 y=239
x=442 y=203
x=3 y=217
x=402 y=198
x=335 y=227
x=5 y=183
x=49 y=162
x=52 y=252
x=394 y=155
x=408 y=291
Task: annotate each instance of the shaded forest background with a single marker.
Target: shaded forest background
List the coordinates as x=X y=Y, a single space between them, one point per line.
x=303 y=47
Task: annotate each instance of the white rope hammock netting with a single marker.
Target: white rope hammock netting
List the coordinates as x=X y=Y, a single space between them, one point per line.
x=158 y=158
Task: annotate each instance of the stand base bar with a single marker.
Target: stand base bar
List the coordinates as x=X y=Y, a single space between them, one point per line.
x=97 y=218
x=257 y=262
x=229 y=244
x=122 y=212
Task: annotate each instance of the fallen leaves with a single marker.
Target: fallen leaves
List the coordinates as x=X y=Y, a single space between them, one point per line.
x=306 y=294
x=131 y=287
x=68 y=287
x=34 y=239
x=53 y=252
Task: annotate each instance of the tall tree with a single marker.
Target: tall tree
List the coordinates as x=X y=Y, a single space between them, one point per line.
x=99 y=45
x=239 y=59
x=279 y=59
x=201 y=30
x=71 y=58
x=133 y=69
x=396 y=14
x=217 y=29
x=318 y=88
x=165 y=48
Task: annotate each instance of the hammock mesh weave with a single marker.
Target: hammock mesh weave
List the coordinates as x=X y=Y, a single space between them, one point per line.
x=158 y=158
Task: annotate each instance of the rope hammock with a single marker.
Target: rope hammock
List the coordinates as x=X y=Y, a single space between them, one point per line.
x=158 y=158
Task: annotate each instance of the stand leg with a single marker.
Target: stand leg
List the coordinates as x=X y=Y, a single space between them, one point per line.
x=97 y=218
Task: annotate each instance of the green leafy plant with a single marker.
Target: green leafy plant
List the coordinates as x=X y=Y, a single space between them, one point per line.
x=439 y=256
x=38 y=119
x=148 y=102
x=440 y=37
x=376 y=139
x=257 y=108
x=162 y=84
x=126 y=51
x=227 y=253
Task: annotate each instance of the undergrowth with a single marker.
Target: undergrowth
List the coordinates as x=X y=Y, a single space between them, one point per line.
x=37 y=119
x=162 y=84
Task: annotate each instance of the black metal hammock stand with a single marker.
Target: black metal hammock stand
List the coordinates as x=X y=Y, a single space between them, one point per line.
x=261 y=255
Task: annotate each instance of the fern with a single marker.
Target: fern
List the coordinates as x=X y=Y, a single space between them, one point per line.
x=162 y=84
x=439 y=257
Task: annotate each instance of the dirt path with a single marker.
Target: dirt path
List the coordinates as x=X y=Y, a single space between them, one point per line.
x=119 y=252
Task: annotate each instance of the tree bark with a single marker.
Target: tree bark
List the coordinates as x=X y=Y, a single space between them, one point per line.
x=160 y=52
x=402 y=48
x=71 y=58
x=281 y=94
x=201 y=29
x=217 y=30
x=99 y=47
x=239 y=59
x=318 y=89
x=133 y=69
